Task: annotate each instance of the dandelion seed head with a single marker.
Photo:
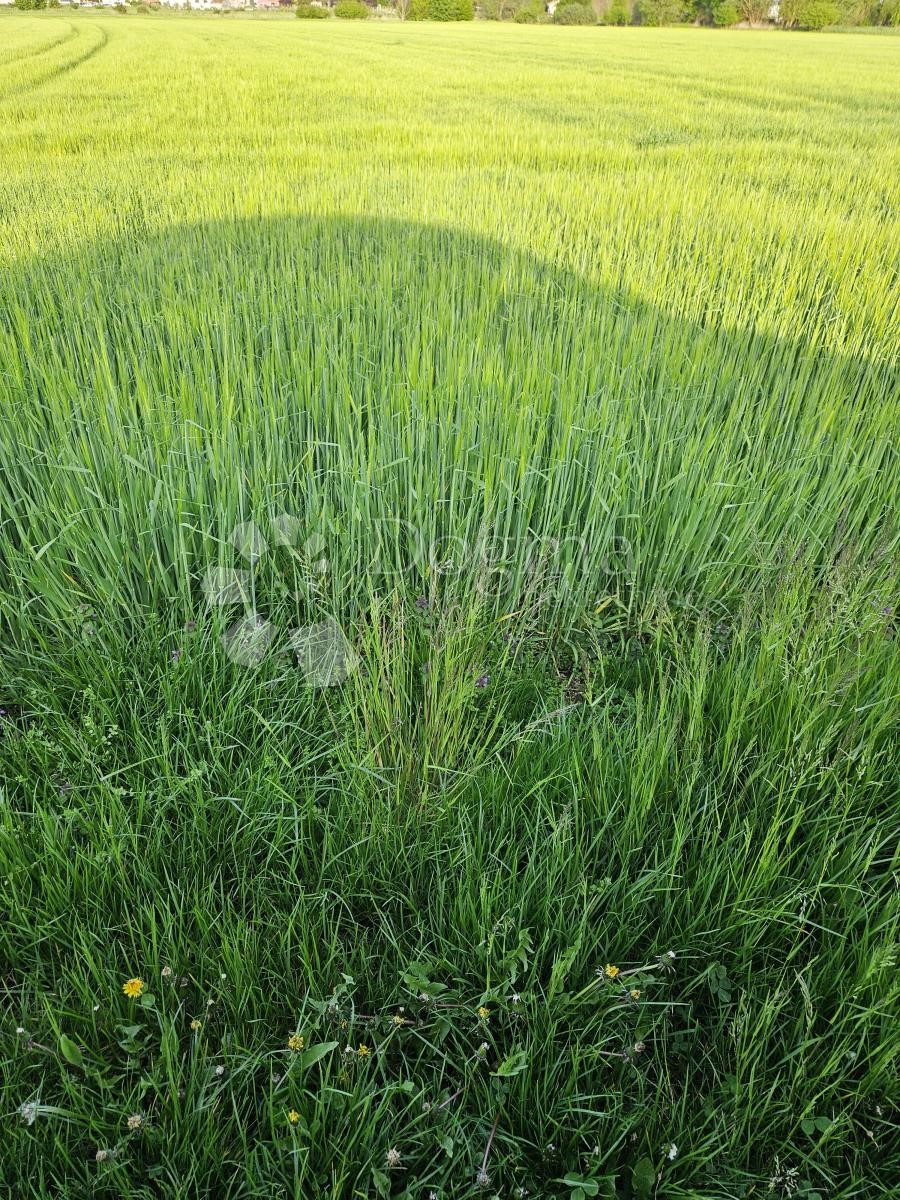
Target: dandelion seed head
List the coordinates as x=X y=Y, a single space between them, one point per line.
x=393 y=1157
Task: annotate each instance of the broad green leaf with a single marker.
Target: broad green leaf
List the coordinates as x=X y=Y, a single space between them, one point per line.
x=515 y=1064
x=314 y=1053
x=381 y=1182
x=70 y=1052
x=643 y=1177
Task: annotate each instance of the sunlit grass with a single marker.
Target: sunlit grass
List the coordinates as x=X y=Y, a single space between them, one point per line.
x=558 y=369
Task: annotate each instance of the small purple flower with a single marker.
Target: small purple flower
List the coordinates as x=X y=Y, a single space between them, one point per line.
x=421 y=603
x=483 y=680
x=190 y=626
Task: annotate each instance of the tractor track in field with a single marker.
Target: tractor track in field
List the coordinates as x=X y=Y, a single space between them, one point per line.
x=37 y=51
x=36 y=83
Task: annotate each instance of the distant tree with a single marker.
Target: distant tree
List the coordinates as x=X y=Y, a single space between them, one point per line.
x=754 y=12
x=724 y=13
x=808 y=14
x=511 y=10
x=660 y=12
x=574 y=13
x=618 y=13
x=530 y=12
x=441 y=10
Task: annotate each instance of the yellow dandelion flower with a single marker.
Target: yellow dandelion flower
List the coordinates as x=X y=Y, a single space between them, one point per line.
x=610 y=971
x=635 y=993
x=135 y=1121
x=398 y=1020
x=133 y=988
x=484 y=1013
x=363 y=1050
x=296 y=1042
x=195 y=1024
x=293 y=1116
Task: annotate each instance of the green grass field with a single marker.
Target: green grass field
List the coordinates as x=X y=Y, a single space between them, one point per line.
x=448 y=567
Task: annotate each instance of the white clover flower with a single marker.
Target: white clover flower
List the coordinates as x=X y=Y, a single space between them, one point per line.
x=672 y=1152
x=28 y=1112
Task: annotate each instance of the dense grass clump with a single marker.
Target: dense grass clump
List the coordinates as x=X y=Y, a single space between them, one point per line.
x=448 y=570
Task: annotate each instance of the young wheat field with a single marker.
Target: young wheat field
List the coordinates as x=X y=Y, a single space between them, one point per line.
x=449 y=673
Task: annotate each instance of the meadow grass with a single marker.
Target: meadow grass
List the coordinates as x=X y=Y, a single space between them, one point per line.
x=556 y=369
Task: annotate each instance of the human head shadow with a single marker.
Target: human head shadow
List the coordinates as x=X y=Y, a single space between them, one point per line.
x=368 y=375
